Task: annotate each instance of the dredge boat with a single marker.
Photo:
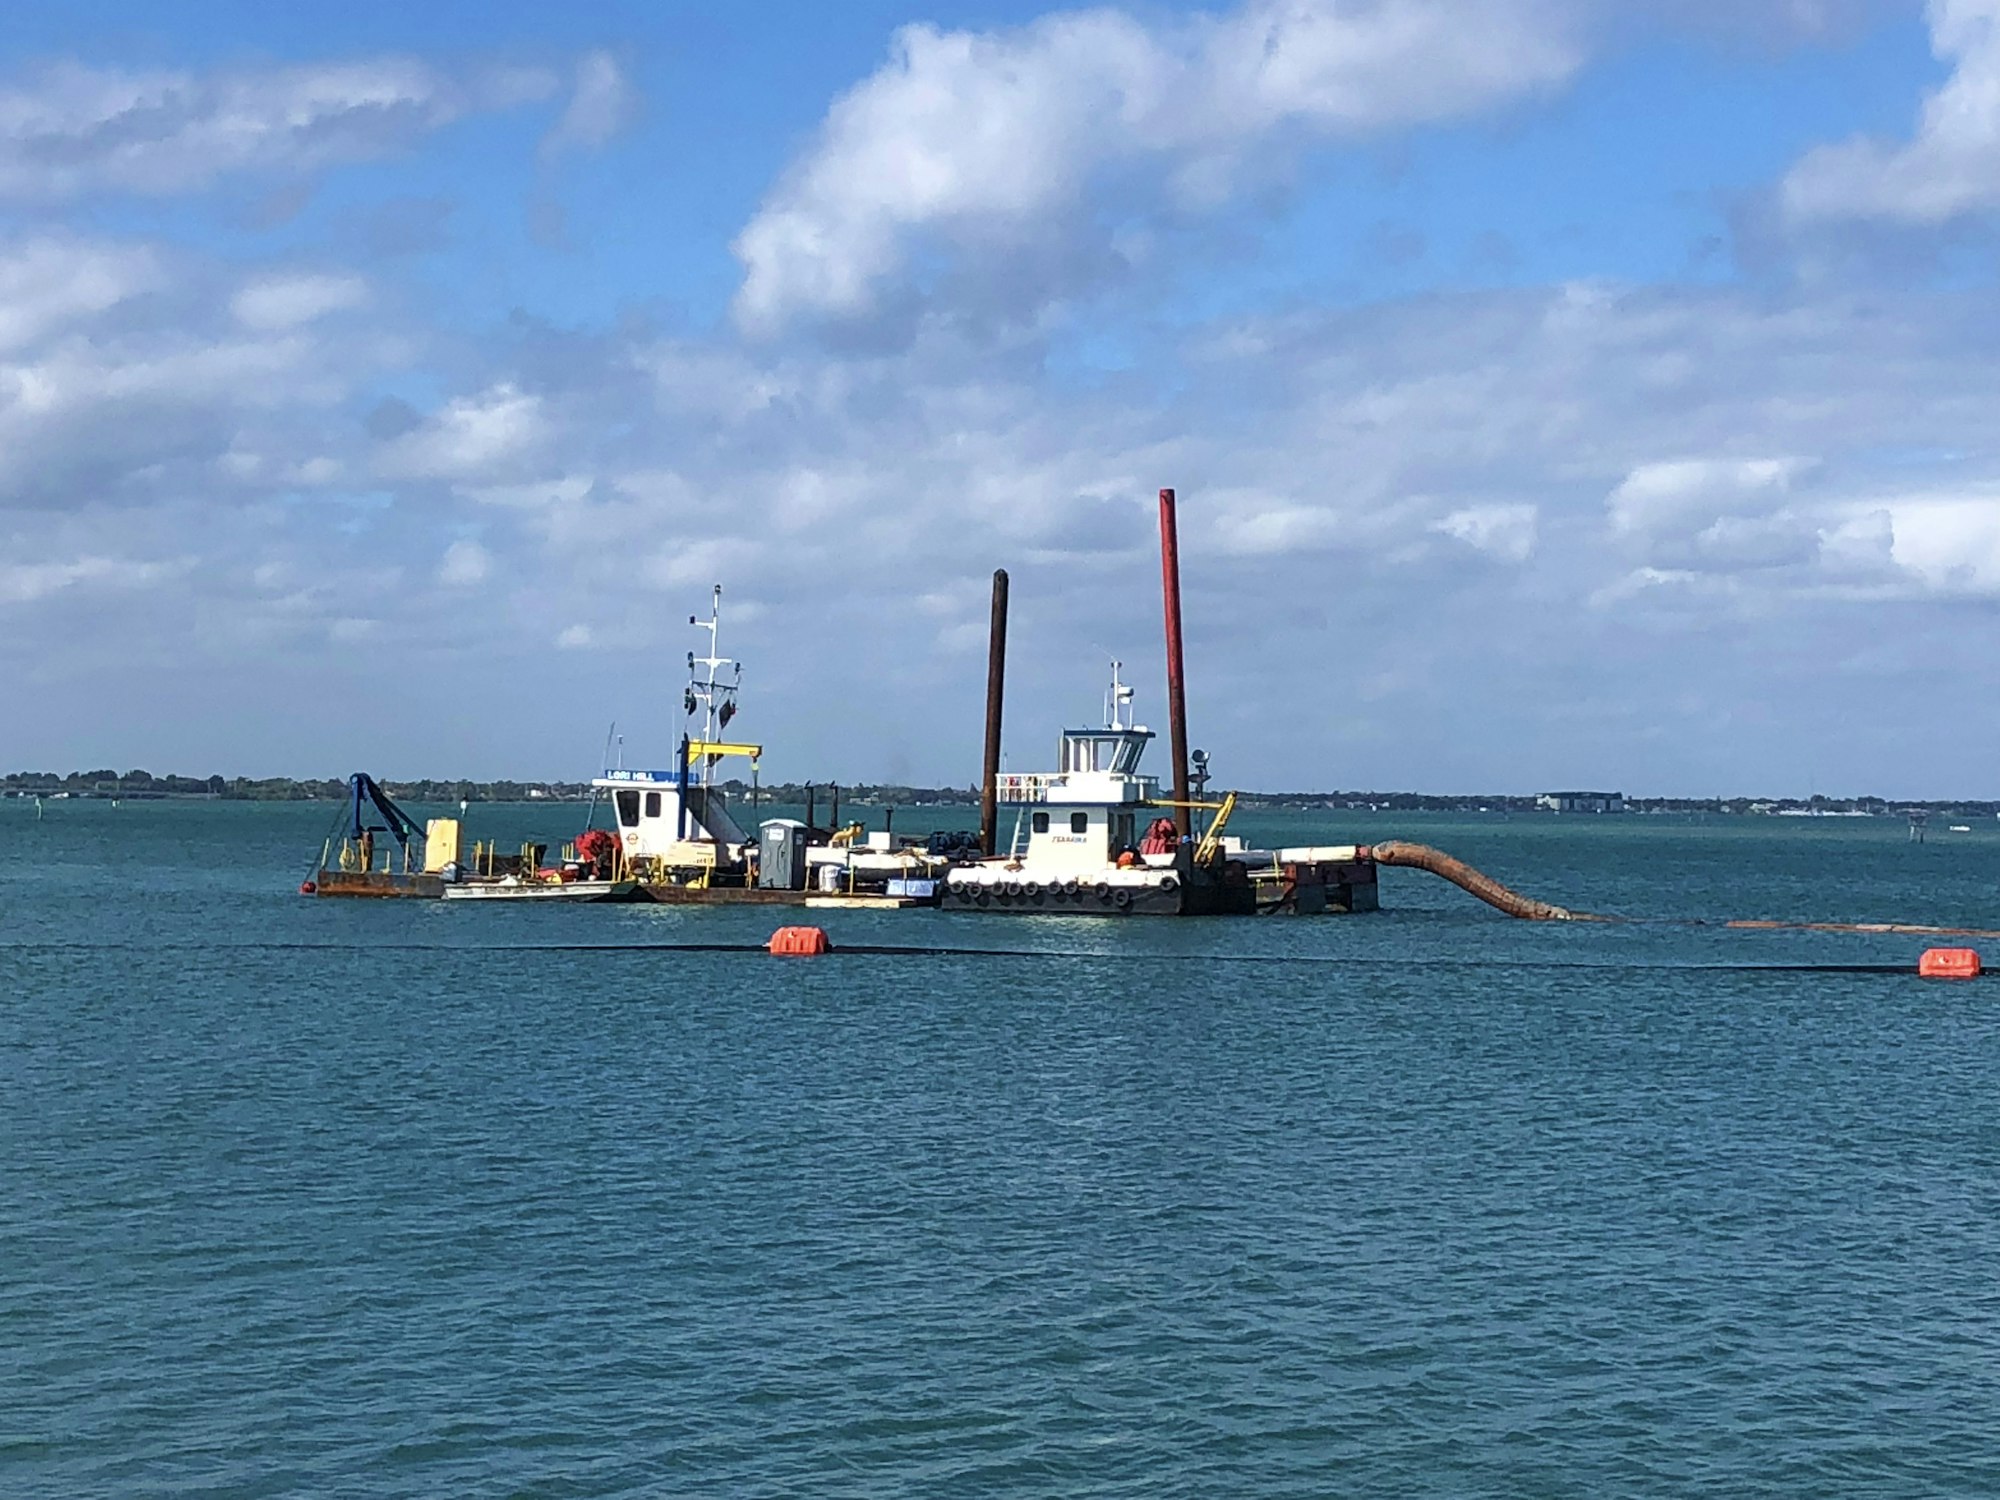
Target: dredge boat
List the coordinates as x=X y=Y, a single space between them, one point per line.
x=1078 y=848
x=675 y=839
x=1092 y=837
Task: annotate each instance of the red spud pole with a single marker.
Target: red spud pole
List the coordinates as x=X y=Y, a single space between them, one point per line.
x=1170 y=585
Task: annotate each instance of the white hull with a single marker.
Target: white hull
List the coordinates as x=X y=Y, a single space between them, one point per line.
x=538 y=890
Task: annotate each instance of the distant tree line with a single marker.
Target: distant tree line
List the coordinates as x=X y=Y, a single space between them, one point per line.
x=143 y=784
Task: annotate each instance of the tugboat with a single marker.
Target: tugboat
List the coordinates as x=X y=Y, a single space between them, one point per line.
x=674 y=828
x=1078 y=844
x=674 y=839
x=1078 y=849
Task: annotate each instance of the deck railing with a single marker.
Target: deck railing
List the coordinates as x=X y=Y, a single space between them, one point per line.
x=1027 y=788
x=1017 y=789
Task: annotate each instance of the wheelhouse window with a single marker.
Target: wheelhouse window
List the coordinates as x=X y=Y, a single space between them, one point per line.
x=627 y=799
x=1041 y=822
x=1079 y=822
x=1100 y=752
x=652 y=804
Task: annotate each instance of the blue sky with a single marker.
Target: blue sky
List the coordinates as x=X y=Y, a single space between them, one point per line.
x=1559 y=391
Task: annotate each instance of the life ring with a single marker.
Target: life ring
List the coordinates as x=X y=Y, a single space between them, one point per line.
x=1123 y=898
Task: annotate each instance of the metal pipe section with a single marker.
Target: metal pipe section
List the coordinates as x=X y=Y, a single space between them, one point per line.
x=996 y=681
x=1487 y=889
x=1170 y=586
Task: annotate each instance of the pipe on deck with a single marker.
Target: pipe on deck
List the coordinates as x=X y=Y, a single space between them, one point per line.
x=1487 y=889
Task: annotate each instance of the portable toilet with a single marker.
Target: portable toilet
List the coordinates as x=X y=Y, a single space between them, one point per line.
x=440 y=844
x=781 y=855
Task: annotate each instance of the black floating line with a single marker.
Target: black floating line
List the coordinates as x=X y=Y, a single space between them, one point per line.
x=886 y=950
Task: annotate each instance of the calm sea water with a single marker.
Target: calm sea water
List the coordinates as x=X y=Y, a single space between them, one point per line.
x=332 y=1198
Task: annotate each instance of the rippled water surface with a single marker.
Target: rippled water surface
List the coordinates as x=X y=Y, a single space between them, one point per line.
x=314 y=1197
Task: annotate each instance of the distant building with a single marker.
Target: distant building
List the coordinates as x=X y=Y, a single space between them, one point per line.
x=1582 y=802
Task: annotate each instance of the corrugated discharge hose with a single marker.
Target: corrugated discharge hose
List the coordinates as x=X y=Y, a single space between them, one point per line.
x=1514 y=904
x=1487 y=889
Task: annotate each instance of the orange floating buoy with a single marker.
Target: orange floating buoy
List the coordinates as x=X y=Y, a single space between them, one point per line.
x=1949 y=963
x=307 y=888
x=800 y=942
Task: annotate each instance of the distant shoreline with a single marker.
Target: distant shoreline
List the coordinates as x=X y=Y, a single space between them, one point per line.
x=142 y=786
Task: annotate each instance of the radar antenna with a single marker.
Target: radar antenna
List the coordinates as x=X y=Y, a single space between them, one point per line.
x=1117 y=701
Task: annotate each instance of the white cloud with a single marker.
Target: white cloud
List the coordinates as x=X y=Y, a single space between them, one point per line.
x=129 y=378
x=602 y=103
x=473 y=437
x=464 y=564
x=51 y=281
x=997 y=139
x=1950 y=167
x=1503 y=531
x=286 y=301
x=1656 y=499
x=26 y=583
x=1704 y=466
x=1266 y=527
x=86 y=418
x=539 y=494
x=1950 y=542
x=1717 y=520
x=75 y=129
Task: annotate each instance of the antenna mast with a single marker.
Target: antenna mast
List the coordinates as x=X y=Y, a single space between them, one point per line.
x=708 y=692
x=1117 y=701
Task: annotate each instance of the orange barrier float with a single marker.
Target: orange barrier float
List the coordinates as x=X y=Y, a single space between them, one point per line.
x=1949 y=963
x=800 y=942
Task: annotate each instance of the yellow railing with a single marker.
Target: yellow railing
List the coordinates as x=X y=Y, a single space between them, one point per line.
x=1211 y=841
